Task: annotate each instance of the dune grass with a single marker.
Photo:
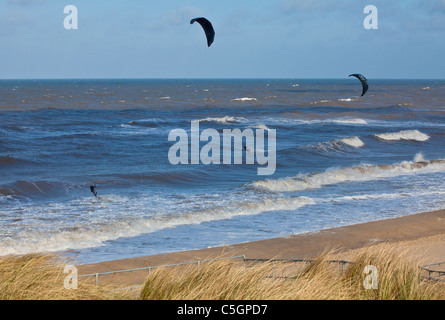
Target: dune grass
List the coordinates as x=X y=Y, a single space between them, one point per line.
x=41 y=277
x=397 y=279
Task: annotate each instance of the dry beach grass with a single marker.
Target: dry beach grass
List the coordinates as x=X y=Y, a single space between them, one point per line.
x=397 y=279
x=41 y=277
x=396 y=247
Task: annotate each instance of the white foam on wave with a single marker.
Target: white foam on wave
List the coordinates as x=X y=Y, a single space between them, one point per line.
x=244 y=99
x=226 y=119
x=347 y=99
x=149 y=120
x=321 y=101
x=132 y=130
x=363 y=172
x=351 y=121
x=104 y=224
x=355 y=142
x=345 y=121
x=385 y=196
x=414 y=135
x=355 y=121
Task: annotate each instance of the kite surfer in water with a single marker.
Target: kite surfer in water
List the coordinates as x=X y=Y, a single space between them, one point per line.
x=93 y=191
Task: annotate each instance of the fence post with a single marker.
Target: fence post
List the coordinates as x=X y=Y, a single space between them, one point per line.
x=273 y=268
x=97 y=279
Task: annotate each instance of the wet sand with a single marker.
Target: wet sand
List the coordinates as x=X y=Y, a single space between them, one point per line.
x=423 y=233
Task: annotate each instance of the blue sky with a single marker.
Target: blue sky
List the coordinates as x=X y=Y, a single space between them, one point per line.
x=254 y=39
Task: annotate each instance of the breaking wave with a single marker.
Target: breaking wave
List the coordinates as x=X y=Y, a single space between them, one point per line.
x=89 y=234
x=321 y=101
x=347 y=99
x=363 y=172
x=353 y=142
x=244 y=99
x=413 y=135
x=226 y=119
x=351 y=121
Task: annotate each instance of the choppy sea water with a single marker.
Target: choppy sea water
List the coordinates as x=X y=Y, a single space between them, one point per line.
x=341 y=159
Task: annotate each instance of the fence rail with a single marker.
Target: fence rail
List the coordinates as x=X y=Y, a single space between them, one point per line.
x=198 y=262
x=432 y=274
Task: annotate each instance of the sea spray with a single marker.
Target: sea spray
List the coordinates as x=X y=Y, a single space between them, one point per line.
x=419 y=157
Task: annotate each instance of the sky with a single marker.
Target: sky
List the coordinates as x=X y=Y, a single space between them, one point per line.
x=254 y=39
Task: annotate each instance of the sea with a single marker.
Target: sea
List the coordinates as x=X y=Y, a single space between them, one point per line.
x=341 y=159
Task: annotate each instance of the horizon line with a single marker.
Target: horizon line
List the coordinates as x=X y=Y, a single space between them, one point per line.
x=209 y=78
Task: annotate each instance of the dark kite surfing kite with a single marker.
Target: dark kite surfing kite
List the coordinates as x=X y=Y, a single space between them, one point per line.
x=363 y=80
x=208 y=29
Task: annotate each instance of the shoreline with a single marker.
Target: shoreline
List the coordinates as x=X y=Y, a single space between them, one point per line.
x=423 y=232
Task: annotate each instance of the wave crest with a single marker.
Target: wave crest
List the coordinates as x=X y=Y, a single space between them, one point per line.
x=351 y=121
x=414 y=135
x=226 y=119
x=359 y=173
x=355 y=142
x=79 y=236
x=337 y=145
x=244 y=99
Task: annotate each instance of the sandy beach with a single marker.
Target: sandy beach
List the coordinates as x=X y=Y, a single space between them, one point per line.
x=422 y=234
